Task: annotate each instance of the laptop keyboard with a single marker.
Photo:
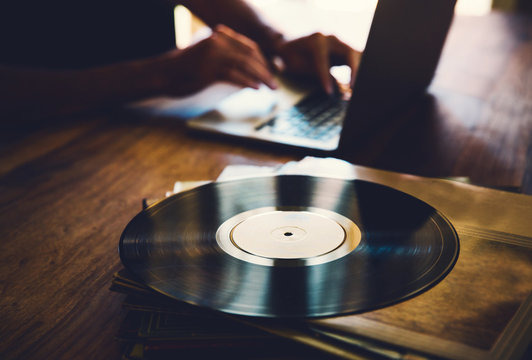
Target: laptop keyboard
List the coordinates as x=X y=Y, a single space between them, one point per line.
x=317 y=116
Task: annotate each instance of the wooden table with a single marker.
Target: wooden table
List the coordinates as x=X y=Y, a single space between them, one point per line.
x=68 y=189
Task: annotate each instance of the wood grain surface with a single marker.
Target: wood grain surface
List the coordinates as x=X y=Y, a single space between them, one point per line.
x=69 y=187
x=475 y=121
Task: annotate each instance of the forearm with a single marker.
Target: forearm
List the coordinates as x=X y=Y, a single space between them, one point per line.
x=239 y=16
x=28 y=94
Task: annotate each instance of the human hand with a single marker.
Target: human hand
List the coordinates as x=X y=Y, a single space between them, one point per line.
x=315 y=54
x=224 y=56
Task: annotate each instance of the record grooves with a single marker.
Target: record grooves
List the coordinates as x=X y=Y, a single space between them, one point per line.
x=290 y=246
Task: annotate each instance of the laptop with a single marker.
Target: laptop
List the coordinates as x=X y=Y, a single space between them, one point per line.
x=404 y=45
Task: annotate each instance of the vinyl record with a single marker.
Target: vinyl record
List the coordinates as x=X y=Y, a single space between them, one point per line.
x=290 y=246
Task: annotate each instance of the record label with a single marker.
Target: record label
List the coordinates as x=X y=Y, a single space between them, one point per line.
x=288 y=236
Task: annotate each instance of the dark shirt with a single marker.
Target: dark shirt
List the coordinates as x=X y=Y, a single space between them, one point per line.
x=75 y=34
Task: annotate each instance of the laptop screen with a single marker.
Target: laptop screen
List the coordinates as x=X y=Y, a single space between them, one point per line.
x=402 y=52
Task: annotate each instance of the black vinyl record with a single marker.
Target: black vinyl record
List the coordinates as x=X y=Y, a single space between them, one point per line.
x=290 y=246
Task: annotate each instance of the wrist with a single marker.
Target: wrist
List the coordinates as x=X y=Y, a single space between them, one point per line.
x=272 y=42
x=151 y=76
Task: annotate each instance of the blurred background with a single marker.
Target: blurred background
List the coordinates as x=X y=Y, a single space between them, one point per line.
x=347 y=19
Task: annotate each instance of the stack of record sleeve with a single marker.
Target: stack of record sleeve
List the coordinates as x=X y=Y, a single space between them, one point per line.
x=157 y=327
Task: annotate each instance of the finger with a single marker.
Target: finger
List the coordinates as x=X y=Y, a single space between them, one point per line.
x=343 y=54
x=242 y=43
x=237 y=77
x=354 y=64
x=320 y=58
x=244 y=54
x=238 y=66
x=252 y=69
x=351 y=58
